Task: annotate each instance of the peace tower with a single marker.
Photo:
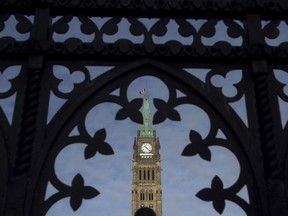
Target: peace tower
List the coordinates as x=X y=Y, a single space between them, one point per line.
x=146 y=168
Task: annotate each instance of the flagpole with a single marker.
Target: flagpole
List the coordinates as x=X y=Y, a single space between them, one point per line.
x=146 y=93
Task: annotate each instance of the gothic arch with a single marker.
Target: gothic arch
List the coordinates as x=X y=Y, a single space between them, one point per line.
x=142 y=195
x=178 y=33
x=112 y=80
x=151 y=195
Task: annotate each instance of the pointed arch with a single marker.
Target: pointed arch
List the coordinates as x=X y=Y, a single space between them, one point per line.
x=142 y=195
x=151 y=195
x=157 y=69
x=106 y=83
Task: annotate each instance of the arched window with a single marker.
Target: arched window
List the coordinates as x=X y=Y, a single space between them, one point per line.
x=148 y=174
x=140 y=174
x=142 y=195
x=151 y=197
x=153 y=175
x=144 y=174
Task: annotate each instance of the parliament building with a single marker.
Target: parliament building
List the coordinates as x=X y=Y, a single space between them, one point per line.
x=146 y=168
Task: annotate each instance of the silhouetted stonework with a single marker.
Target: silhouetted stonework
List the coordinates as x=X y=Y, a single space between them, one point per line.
x=30 y=143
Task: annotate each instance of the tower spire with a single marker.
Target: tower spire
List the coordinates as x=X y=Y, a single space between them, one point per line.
x=146 y=129
x=146 y=168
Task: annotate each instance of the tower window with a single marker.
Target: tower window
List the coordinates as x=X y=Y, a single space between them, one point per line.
x=153 y=174
x=139 y=174
x=142 y=197
x=148 y=174
x=150 y=196
x=144 y=174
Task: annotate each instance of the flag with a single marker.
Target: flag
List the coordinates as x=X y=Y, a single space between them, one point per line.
x=142 y=91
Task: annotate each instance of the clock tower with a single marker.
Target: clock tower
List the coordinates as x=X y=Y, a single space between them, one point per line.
x=146 y=168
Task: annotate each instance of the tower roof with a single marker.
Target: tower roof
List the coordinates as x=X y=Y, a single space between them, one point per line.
x=146 y=129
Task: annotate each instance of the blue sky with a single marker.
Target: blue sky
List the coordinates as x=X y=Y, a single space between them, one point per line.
x=182 y=177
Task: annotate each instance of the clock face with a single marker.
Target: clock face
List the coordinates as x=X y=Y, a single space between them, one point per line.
x=146 y=147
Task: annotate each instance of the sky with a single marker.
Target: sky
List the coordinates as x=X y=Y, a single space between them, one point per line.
x=182 y=177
